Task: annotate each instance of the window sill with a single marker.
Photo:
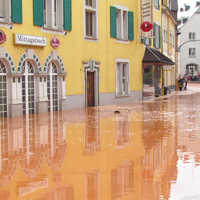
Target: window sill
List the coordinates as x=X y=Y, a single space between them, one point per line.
x=122 y=95
x=90 y=38
x=6 y=24
x=192 y=56
x=53 y=30
x=124 y=41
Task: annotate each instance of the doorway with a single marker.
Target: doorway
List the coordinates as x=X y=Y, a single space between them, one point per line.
x=28 y=88
x=52 y=88
x=90 y=89
x=3 y=91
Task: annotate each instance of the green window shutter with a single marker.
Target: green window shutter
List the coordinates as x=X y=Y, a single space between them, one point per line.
x=130 y=25
x=67 y=5
x=154 y=34
x=113 y=22
x=16 y=9
x=38 y=12
x=159 y=37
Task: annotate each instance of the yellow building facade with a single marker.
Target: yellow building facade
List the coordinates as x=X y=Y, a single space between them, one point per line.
x=66 y=54
x=169 y=27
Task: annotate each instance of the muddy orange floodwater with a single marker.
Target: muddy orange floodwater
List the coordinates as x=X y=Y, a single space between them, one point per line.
x=144 y=151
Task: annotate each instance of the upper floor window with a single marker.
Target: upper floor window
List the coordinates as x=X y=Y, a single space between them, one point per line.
x=90 y=10
x=192 y=36
x=165 y=36
x=157 y=4
x=11 y=11
x=156 y=36
x=192 y=52
x=53 y=14
x=121 y=23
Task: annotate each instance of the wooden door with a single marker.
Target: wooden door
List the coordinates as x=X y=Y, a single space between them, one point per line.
x=90 y=89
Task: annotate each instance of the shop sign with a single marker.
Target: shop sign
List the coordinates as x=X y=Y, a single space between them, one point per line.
x=30 y=40
x=55 y=42
x=147 y=16
x=2 y=37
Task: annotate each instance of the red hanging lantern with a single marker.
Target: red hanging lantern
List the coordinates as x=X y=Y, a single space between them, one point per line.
x=146 y=26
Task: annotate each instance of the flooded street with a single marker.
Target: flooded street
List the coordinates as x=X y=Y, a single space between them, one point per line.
x=144 y=151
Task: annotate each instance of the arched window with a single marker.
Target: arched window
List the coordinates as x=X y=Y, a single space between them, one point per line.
x=28 y=88
x=52 y=87
x=192 y=69
x=3 y=91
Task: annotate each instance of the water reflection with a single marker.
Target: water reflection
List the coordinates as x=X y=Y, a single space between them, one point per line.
x=145 y=151
x=122 y=180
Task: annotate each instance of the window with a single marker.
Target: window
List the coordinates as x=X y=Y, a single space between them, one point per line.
x=156 y=34
x=165 y=35
x=28 y=88
x=3 y=91
x=192 y=52
x=122 y=24
x=157 y=4
x=52 y=88
x=53 y=14
x=192 y=36
x=122 y=82
x=91 y=19
x=4 y=11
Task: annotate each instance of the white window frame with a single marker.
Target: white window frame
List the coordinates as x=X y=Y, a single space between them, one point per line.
x=2 y=89
x=26 y=75
x=95 y=24
x=122 y=93
x=51 y=74
x=54 y=20
x=122 y=35
x=192 y=52
x=7 y=17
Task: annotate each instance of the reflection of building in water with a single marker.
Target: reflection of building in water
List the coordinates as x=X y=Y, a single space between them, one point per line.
x=92 y=133
x=59 y=191
x=159 y=163
x=122 y=180
x=30 y=141
x=7 y=162
x=122 y=129
x=92 y=186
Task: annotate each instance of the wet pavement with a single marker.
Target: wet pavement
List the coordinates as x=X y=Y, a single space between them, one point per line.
x=143 y=151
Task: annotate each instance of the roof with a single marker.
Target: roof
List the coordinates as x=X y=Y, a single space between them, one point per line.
x=154 y=56
x=196 y=11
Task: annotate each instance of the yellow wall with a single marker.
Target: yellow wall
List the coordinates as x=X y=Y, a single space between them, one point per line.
x=168 y=49
x=74 y=49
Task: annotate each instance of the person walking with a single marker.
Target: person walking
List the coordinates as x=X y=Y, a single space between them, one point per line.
x=185 y=83
x=180 y=83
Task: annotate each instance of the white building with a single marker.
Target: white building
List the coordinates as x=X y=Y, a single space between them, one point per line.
x=189 y=46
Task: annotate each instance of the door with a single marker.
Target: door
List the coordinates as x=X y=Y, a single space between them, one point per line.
x=28 y=88
x=52 y=88
x=90 y=89
x=3 y=91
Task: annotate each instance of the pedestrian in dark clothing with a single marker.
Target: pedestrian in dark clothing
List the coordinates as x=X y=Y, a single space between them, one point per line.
x=185 y=83
x=180 y=83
